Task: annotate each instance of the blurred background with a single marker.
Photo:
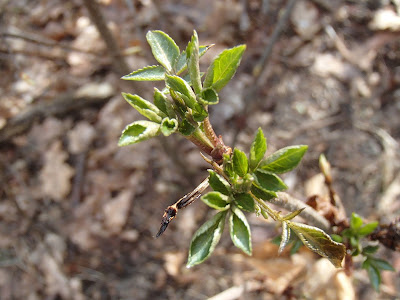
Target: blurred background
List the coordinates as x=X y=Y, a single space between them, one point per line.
x=78 y=215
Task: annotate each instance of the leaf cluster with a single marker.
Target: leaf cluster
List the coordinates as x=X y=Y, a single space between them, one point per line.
x=241 y=183
x=244 y=181
x=182 y=105
x=354 y=236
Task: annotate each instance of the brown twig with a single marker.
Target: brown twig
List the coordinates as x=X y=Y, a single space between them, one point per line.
x=97 y=18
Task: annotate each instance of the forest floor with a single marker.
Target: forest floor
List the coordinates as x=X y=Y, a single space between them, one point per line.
x=78 y=214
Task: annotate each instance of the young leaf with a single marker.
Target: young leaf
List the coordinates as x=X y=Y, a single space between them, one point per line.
x=320 y=242
x=150 y=73
x=257 y=150
x=177 y=84
x=368 y=228
x=240 y=230
x=285 y=237
x=245 y=201
x=240 y=163
x=355 y=221
x=137 y=132
x=164 y=48
x=192 y=53
x=216 y=200
x=144 y=107
x=373 y=274
x=284 y=160
x=186 y=128
x=199 y=113
x=162 y=103
x=209 y=97
x=293 y=214
x=168 y=126
x=262 y=194
x=381 y=264
x=223 y=68
x=218 y=183
x=181 y=61
x=206 y=239
x=269 y=181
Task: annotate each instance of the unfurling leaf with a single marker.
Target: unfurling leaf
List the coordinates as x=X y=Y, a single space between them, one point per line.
x=206 y=239
x=162 y=103
x=285 y=237
x=240 y=230
x=192 y=53
x=150 y=73
x=209 y=97
x=245 y=201
x=216 y=200
x=240 y=163
x=218 y=183
x=164 y=48
x=179 y=85
x=284 y=160
x=320 y=242
x=269 y=182
x=168 y=126
x=137 y=132
x=223 y=68
x=144 y=107
x=257 y=150
x=181 y=62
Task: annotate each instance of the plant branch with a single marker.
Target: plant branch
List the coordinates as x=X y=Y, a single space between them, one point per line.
x=311 y=215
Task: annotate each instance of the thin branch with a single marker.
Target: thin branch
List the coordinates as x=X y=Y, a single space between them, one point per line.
x=311 y=215
x=97 y=18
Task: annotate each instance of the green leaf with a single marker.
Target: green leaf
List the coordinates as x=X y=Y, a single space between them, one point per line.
x=320 y=242
x=181 y=62
x=186 y=128
x=179 y=85
x=381 y=264
x=368 y=228
x=337 y=238
x=355 y=221
x=199 y=113
x=373 y=274
x=368 y=250
x=218 y=183
x=169 y=126
x=150 y=73
x=192 y=54
x=206 y=239
x=293 y=214
x=138 y=131
x=209 y=96
x=269 y=181
x=162 y=103
x=216 y=200
x=240 y=163
x=164 y=48
x=284 y=160
x=257 y=150
x=144 y=107
x=240 y=230
x=285 y=237
x=245 y=201
x=223 y=68
x=262 y=194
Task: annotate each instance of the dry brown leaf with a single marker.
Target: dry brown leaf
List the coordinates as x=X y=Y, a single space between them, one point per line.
x=80 y=137
x=305 y=18
x=56 y=174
